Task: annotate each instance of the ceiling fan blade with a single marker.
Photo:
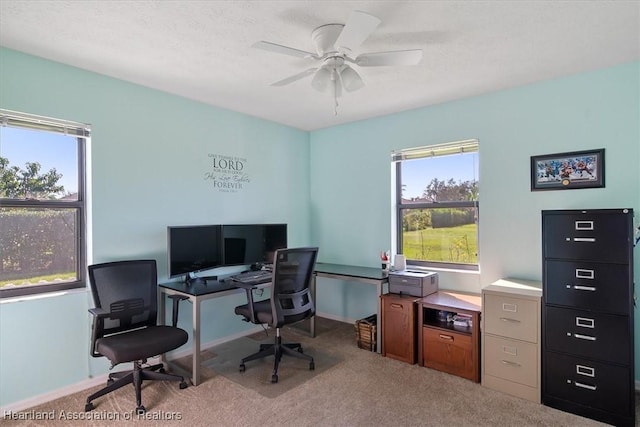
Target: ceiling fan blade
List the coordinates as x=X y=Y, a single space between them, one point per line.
x=321 y=80
x=294 y=78
x=398 y=57
x=359 y=26
x=285 y=50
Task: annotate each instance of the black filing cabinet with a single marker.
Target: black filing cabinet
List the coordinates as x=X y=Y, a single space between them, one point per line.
x=587 y=319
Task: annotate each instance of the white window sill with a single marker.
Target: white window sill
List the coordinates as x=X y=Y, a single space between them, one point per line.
x=43 y=295
x=442 y=270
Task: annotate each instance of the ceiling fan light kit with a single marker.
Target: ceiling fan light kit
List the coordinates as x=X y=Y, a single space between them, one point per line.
x=334 y=43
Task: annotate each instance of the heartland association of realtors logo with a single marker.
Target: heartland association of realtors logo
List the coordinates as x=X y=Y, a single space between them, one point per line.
x=227 y=173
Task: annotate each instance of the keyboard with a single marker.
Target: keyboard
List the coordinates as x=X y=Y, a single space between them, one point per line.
x=252 y=277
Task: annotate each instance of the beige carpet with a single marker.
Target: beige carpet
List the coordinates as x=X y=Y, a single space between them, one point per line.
x=361 y=389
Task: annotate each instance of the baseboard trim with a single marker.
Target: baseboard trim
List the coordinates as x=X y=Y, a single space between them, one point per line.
x=336 y=318
x=40 y=399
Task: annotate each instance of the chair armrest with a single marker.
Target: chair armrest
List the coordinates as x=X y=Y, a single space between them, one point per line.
x=249 y=290
x=176 y=302
x=97 y=327
x=99 y=313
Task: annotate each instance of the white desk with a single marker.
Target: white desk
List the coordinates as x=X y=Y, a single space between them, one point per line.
x=198 y=292
x=195 y=293
x=350 y=273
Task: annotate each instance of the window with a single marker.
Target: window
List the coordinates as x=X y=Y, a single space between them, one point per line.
x=437 y=205
x=42 y=204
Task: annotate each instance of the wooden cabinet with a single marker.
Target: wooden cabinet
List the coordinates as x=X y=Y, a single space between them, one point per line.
x=511 y=337
x=587 y=345
x=399 y=323
x=443 y=345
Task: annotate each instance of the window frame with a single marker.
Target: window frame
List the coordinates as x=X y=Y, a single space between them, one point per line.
x=398 y=157
x=82 y=132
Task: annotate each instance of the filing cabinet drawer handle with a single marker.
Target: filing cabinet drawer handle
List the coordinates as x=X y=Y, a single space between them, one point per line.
x=510 y=307
x=510 y=363
x=396 y=305
x=584 y=239
x=586 y=370
x=584 y=225
x=582 y=273
x=584 y=288
x=584 y=337
x=446 y=337
x=585 y=322
x=588 y=387
x=507 y=319
x=510 y=350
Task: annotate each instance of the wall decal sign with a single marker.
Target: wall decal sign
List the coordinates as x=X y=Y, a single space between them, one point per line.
x=227 y=174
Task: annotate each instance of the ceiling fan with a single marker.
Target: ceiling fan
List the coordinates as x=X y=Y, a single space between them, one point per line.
x=334 y=45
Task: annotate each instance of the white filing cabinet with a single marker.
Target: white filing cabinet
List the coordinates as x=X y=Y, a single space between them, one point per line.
x=511 y=337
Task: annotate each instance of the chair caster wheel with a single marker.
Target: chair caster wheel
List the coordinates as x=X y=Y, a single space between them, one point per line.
x=161 y=370
x=312 y=366
x=242 y=367
x=140 y=410
x=110 y=381
x=274 y=378
x=88 y=407
x=183 y=385
x=300 y=350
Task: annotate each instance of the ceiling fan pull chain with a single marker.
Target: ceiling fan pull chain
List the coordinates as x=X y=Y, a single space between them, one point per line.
x=335 y=97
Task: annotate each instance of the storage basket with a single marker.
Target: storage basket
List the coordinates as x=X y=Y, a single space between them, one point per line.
x=366 y=332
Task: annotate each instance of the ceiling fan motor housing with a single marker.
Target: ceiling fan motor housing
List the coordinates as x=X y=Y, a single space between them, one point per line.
x=325 y=36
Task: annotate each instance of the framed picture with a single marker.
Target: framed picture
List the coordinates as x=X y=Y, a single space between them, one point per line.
x=566 y=171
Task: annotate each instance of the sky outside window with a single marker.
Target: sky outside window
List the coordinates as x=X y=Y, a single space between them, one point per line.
x=51 y=150
x=418 y=173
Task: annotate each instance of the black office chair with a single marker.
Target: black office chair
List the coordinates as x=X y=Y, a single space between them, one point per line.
x=290 y=302
x=124 y=325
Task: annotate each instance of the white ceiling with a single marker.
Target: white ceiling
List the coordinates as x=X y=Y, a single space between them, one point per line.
x=202 y=49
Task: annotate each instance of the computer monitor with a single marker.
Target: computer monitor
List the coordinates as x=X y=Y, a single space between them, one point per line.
x=193 y=248
x=253 y=244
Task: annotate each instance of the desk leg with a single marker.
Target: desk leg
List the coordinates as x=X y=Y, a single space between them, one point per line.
x=196 y=342
x=379 y=319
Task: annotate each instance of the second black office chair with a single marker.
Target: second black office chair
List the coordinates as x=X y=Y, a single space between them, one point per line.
x=290 y=302
x=124 y=325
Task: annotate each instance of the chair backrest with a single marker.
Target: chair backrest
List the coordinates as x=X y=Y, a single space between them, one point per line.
x=128 y=291
x=290 y=294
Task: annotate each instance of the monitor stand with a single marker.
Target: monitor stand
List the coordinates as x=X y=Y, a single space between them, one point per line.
x=191 y=279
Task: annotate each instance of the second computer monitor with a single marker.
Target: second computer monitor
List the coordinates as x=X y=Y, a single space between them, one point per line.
x=252 y=243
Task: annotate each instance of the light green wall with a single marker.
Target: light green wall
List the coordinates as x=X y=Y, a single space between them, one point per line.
x=150 y=152
x=350 y=174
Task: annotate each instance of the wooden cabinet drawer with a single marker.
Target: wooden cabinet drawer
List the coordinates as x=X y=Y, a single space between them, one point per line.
x=511 y=360
x=589 y=334
x=511 y=317
x=399 y=328
x=587 y=236
x=588 y=383
x=590 y=285
x=448 y=351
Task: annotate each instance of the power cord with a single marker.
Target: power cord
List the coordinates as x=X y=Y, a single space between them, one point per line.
x=266 y=330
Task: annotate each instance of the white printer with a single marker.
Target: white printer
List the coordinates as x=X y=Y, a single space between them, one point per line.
x=414 y=283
